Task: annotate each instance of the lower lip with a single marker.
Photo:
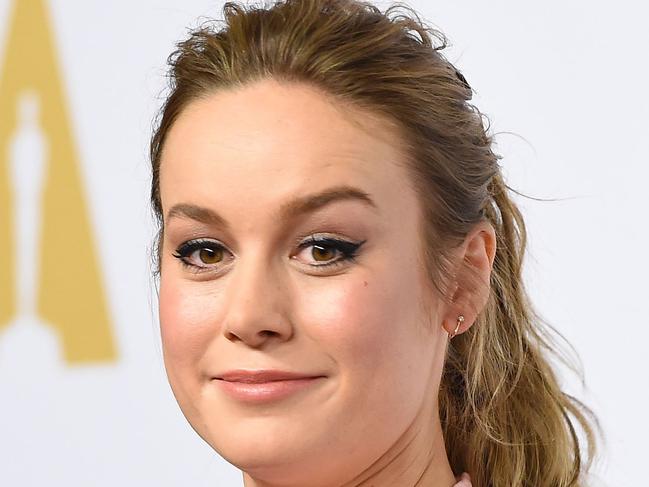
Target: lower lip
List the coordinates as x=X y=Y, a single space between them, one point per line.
x=265 y=391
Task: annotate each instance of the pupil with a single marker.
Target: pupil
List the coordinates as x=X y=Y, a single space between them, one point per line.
x=209 y=256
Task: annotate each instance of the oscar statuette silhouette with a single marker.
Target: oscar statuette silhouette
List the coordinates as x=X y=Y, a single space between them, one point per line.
x=28 y=343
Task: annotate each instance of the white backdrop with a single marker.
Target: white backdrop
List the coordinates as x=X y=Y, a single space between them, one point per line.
x=568 y=79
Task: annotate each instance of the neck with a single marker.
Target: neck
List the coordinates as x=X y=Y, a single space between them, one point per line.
x=417 y=459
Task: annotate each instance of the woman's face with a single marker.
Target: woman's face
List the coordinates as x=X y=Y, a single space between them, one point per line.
x=291 y=244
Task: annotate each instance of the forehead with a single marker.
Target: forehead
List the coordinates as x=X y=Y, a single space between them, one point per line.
x=268 y=140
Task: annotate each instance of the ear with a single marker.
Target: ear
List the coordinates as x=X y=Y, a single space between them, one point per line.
x=474 y=263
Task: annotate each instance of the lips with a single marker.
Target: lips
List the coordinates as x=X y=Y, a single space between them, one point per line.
x=265 y=386
x=262 y=376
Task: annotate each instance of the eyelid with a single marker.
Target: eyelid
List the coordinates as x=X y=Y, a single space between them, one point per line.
x=197 y=242
x=317 y=237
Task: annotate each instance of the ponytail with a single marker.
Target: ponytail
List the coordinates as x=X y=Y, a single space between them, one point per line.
x=504 y=415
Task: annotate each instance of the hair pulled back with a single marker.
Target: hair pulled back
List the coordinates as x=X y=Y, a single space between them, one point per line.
x=505 y=419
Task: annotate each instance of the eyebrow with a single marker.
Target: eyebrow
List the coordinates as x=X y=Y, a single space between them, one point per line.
x=289 y=210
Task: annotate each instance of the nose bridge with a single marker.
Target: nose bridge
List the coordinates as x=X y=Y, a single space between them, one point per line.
x=256 y=300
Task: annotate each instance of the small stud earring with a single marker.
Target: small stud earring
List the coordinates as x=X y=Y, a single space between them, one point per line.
x=460 y=320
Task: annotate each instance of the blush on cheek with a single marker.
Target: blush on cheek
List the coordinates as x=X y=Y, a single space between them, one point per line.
x=349 y=317
x=185 y=325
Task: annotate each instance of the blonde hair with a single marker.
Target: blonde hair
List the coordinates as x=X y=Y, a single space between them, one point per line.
x=505 y=419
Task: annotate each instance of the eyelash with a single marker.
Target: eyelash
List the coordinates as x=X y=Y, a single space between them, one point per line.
x=348 y=251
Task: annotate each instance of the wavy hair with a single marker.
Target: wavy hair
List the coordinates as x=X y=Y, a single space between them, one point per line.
x=505 y=418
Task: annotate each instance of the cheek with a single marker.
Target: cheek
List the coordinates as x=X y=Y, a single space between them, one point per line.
x=185 y=326
x=371 y=326
x=367 y=322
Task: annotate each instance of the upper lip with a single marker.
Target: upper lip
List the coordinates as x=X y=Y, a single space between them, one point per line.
x=260 y=376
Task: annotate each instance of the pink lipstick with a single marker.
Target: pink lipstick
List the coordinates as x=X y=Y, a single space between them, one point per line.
x=260 y=386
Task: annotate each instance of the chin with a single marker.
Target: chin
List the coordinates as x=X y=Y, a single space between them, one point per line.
x=276 y=462
x=258 y=442
x=267 y=449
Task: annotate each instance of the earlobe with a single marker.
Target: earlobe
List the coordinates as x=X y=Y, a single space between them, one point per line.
x=473 y=276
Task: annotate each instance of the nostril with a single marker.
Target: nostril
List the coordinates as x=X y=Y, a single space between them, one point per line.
x=257 y=330
x=261 y=335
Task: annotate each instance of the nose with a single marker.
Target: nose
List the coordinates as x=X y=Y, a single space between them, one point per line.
x=256 y=303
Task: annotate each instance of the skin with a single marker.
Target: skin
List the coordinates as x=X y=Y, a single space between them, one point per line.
x=374 y=327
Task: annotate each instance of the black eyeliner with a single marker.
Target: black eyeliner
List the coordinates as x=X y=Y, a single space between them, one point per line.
x=190 y=246
x=349 y=250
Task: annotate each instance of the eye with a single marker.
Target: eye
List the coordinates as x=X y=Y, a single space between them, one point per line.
x=326 y=252
x=201 y=254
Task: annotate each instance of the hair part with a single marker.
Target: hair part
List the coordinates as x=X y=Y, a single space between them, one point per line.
x=504 y=416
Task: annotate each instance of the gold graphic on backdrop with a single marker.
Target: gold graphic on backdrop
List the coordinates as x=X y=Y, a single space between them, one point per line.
x=68 y=290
